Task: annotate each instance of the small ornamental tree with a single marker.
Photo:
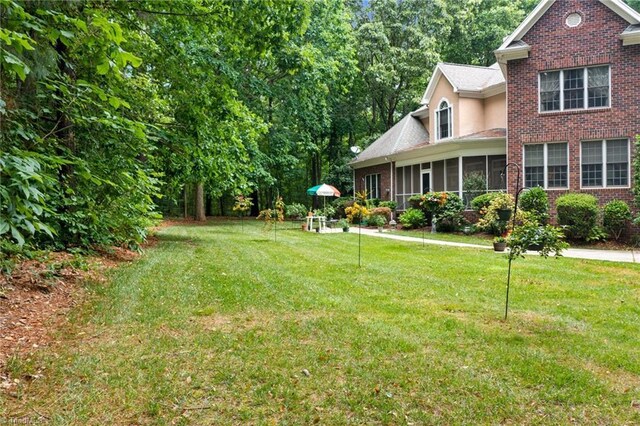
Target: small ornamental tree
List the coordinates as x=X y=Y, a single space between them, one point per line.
x=242 y=205
x=271 y=216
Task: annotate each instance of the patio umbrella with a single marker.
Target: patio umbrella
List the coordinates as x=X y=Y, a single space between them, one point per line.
x=323 y=190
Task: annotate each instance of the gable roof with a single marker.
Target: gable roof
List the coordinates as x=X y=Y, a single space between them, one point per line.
x=618 y=6
x=406 y=133
x=468 y=80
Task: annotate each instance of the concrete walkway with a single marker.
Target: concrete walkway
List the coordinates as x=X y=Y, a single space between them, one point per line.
x=628 y=256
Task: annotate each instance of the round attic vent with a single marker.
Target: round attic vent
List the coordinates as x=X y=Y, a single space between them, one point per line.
x=573 y=20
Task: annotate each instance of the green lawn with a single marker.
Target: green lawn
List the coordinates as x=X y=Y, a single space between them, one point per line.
x=219 y=325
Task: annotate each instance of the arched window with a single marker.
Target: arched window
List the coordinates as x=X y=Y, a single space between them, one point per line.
x=444 y=128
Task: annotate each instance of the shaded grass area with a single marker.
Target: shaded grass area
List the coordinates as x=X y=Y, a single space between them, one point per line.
x=219 y=325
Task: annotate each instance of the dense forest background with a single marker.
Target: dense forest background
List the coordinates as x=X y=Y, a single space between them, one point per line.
x=113 y=111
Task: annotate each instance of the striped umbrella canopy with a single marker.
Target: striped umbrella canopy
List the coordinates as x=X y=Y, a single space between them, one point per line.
x=323 y=190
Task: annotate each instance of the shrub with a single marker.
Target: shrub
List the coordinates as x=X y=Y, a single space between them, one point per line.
x=328 y=211
x=296 y=210
x=490 y=222
x=481 y=202
x=578 y=213
x=392 y=205
x=381 y=211
x=356 y=213
x=341 y=204
x=377 y=220
x=415 y=201
x=448 y=216
x=536 y=202
x=412 y=218
x=615 y=217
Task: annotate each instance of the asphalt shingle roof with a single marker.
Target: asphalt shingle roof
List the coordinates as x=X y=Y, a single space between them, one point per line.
x=472 y=78
x=407 y=133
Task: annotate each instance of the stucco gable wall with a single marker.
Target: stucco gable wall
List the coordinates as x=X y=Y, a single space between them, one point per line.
x=443 y=90
x=495 y=112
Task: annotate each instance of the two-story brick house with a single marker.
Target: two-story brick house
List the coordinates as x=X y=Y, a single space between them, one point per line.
x=563 y=103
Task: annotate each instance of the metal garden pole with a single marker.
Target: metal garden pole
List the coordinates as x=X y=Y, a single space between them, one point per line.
x=513 y=225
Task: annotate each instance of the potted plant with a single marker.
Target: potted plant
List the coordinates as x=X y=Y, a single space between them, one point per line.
x=544 y=239
x=377 y=220
x=503 y=206
x=499 y=243
x=342 y=223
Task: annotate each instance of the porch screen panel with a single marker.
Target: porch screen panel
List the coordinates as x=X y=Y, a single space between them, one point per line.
x=407 y=180
x=474 y=165
x=399 y=181
x=533 y=166
x=496 y=167
x=437 y=175
x=557 y=165
x=452 y=175
x=415 y=181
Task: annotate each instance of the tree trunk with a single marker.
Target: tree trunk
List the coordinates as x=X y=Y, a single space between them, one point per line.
x=200 y=214
x=186 y=202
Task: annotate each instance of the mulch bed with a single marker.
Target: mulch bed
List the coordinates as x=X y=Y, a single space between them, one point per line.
x=36 y=298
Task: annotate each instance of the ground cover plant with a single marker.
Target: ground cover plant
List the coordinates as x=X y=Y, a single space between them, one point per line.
x=215 y=325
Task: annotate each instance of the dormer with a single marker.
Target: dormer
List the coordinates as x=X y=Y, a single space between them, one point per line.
x=462 y=100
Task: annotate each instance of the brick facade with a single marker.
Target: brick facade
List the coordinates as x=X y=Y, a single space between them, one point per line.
x=556 y=46
x=385 y=179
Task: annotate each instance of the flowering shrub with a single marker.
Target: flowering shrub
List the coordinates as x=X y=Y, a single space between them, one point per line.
x=356 y=213
x=381 y=211
x=433 y=201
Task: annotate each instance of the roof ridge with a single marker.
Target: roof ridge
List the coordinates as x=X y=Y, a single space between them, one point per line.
x=470 y=66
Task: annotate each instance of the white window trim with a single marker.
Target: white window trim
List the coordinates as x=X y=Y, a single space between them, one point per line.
x=604 y=165
x=367 y=185
x=422 y=173
x=545 y=163
x=437 y=120
x=586 y=91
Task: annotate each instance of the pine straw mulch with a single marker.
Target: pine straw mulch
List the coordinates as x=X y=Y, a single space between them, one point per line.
x=38 y=294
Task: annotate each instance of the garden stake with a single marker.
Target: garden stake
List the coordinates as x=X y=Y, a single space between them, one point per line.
x=359 y=244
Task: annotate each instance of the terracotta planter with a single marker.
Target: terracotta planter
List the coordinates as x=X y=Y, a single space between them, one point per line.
x=304 y=226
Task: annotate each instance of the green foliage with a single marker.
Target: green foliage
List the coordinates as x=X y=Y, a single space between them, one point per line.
x=474 y=184
x=448 y=216
x=22 y=196
x=615 y=217
x=376 y=220
x=328 y=211
x=391 y=205
x=381 y=211
x=491 y=222
x=296 y=210
x=578 y=214
x=412 y=218
x=536 y=202
x=482 y=202
x=242 y=204
x=545 y=239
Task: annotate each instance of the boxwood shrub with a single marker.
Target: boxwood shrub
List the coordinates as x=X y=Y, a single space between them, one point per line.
x=578 y=213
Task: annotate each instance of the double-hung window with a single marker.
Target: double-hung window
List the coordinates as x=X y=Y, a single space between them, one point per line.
x=444 y=122
x=605 y=163
x=546 y=165
x=574 y=89
x=372 y=186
